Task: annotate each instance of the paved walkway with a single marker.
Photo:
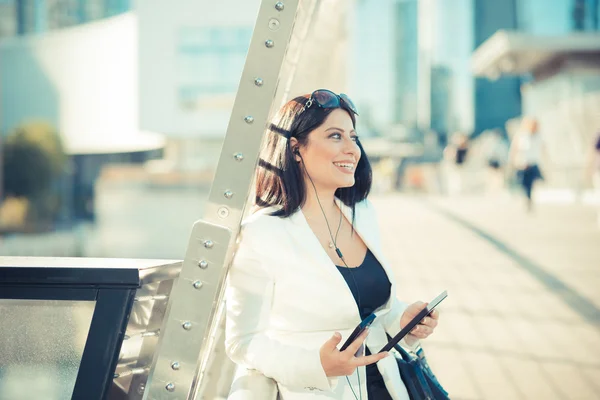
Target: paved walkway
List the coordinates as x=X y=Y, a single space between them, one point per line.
x=522 y=318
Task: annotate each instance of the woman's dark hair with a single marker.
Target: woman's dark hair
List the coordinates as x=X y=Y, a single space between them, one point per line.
x=279 y=177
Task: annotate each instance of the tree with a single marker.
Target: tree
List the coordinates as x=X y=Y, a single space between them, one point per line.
x=33 y=159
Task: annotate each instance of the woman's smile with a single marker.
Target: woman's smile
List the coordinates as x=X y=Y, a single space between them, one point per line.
x=347 y=167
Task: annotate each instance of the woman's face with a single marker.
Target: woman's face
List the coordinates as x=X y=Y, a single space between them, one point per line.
x=331 y=153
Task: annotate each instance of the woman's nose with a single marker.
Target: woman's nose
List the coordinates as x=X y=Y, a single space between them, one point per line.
x=351 y=147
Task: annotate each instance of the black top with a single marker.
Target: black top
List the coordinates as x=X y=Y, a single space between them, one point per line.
x=461 y=155
x=371 y=282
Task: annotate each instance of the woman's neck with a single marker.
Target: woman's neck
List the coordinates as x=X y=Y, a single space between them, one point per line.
x=325 y=203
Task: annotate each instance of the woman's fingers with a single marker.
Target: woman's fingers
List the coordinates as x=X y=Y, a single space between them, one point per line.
x=354 y=346
x=332 y=342
x=422 y=331
x=430 y=322
x=373 y=358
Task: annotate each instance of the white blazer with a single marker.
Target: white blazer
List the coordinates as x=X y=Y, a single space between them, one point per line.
x=285 y=298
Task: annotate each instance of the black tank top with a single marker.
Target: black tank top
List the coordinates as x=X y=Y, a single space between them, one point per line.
x=370 y=281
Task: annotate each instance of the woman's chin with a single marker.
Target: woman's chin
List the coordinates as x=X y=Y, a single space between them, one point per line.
x=347 y=183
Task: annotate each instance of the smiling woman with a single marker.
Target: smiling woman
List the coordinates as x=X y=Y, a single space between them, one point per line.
x=325 y=138
x=299 y=284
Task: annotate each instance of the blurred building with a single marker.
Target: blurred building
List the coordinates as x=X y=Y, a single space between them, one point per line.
x=406 y=54
x=372 y=65
x=434 y=34
x=442 y=109
x=121 y=80
x=556 y=52
x=73 y=64
x=121 y=77
x=433 y=87
x=495 y=101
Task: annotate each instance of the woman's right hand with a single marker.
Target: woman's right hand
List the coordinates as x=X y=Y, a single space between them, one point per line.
x=342 y=363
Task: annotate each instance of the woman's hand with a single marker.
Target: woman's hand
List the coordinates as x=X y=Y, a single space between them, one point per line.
x=341 y=363
x=425 y=327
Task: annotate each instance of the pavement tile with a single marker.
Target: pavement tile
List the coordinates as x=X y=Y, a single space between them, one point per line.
x=570 y=380
x=590 y=337
x=512 y=334
x=490 y=377
x=498 y=335
x=530 y=379
x=451 y=374
x=559 y=309
x=533 y=339
x=501 y=301
x=473 y=301
x=532 y=305
x=568 y=342
x=464 y=329
x=593 y=376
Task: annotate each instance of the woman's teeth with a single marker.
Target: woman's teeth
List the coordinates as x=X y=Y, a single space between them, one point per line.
x=343 y=165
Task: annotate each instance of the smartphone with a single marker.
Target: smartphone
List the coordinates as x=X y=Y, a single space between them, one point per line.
x=365 y=323
x=406 y=330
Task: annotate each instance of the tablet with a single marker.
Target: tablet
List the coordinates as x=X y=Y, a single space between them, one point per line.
x=409 y=327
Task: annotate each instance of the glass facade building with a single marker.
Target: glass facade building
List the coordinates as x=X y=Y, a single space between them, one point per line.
x=406 y=71
x=434 y=41
x=21 y=17
x=556 y=17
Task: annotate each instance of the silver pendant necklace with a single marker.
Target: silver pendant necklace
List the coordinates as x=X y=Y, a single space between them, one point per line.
x=332 y=243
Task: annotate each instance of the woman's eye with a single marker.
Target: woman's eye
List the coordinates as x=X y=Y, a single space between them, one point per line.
x=355 y=138
x=336 y=136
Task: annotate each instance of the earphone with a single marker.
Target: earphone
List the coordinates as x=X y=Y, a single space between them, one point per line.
x=296 y=151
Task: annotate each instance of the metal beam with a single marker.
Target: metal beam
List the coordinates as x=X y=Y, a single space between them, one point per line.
x=188 y=334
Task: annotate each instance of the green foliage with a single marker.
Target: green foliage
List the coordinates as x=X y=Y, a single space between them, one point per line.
x=33 y=158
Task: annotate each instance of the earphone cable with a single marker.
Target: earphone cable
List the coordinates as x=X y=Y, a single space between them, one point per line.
x=341 y=256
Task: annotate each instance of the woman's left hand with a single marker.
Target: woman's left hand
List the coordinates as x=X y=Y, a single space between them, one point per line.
x=426 y=326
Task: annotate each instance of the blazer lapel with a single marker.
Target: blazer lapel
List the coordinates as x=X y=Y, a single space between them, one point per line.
x=366 y=229
x=309 y=245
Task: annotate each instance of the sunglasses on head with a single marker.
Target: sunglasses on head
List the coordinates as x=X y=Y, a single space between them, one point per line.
x=327 y=99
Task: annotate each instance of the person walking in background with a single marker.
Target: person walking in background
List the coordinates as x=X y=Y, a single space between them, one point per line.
x=593 y=168
x=455 y=157
x=526 y=155
x=496 y=156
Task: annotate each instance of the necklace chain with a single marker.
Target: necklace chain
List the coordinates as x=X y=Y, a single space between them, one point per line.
x=332 y=243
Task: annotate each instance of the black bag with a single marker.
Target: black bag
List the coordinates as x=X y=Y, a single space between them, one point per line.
x=418 y=378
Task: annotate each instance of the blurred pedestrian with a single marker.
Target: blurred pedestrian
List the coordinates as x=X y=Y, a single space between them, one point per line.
x=525 y=157
x=495 y=149
x=593 y=168
x=292 y=295
x=455 y=157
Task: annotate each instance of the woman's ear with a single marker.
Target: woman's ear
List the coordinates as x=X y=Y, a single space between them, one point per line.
x=295 y=147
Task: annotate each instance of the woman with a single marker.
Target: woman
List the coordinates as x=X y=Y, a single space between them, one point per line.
x=309 y=266
x=526 y=155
